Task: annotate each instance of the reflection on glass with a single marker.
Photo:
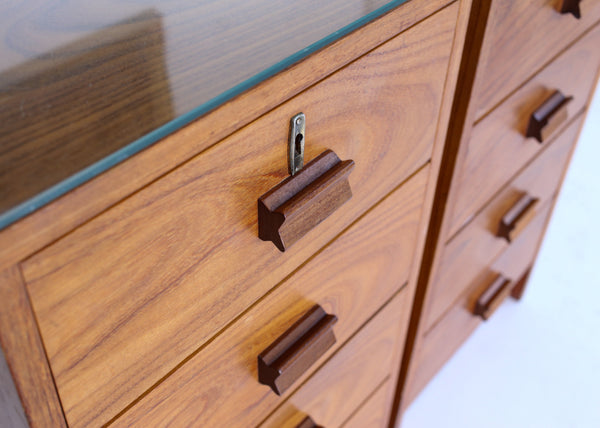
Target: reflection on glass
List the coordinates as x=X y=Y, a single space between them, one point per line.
x=85 y=84
x=72 y=106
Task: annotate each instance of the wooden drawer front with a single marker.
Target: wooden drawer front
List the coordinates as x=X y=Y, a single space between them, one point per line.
x=351 y=278
x=372 y=413
x=522 y=37
x=458 y=323
x=122 y=300
x=478 y=244
x=346 y=381
x=498 y=147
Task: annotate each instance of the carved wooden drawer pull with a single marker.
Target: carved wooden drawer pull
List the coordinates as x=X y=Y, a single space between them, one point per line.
x=302 y=201
x=517 y=218
x=492 y=297
x=292 y=353
x=572 y=7
x=548 y=117
x=308 y=423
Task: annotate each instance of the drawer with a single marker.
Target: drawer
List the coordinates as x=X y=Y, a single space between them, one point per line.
x=126 y=297
x=373 y=413
x=347 y=380
x=522 y=37
x=459 y=322
x=498 y=148
x=351 y=278
x=478 y=244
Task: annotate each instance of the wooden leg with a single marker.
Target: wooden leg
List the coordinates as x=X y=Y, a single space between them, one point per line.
x=519 y=288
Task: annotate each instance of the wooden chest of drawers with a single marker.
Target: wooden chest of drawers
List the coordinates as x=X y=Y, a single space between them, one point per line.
x=500 y=179
x=157 y=304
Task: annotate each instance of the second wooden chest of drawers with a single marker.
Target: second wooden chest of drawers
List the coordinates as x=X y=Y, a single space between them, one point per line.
x=526 y=81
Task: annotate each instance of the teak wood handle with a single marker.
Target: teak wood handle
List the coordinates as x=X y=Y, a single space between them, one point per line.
x=492 y=297
x=292 y=353
x=572 y=7
x=307 y=422
x=518 y=217
x=548 y=117
x=300 y=202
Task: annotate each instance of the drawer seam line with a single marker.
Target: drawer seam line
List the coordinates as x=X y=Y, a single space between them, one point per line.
x=216 y=143
x=466 y=291
x=260 y=299
x=537 y=71
x=340 y=347
x=510 y=179
x=362 y=403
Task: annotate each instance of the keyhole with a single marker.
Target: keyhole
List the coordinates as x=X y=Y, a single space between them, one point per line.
x=298 y=145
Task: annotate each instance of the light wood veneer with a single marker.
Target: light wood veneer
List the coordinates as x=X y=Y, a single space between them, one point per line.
x=349 y=377
x=498 y=148
x=351 y=278
x=457 y=324
x=522 y=37
x=372 y=413
x=478 y=244
x=145 y=296
x=113 y=296
x=508 y=71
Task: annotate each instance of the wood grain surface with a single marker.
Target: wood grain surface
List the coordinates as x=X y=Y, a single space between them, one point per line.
x=449 y=151
x=372 y=413
x=497 y=148
x=472 y=81
x=335 y=392
x=459 y=322
x=44 y=226
x=78 y=83
x=74 y=105
x=523 y=36
x=352 y=278
x=24 y=353
x=192 y=236
x=476 y=245
x=77 y=88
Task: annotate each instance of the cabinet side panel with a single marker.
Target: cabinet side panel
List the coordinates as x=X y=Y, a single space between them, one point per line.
x=463 y=11
x=453 y=153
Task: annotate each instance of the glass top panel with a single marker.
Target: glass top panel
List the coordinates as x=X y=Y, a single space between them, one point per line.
x=86 y=84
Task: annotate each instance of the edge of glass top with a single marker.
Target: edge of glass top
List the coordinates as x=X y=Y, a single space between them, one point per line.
x=54 y=192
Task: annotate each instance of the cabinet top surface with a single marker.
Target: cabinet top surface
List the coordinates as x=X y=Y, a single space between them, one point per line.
x=85 y=85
